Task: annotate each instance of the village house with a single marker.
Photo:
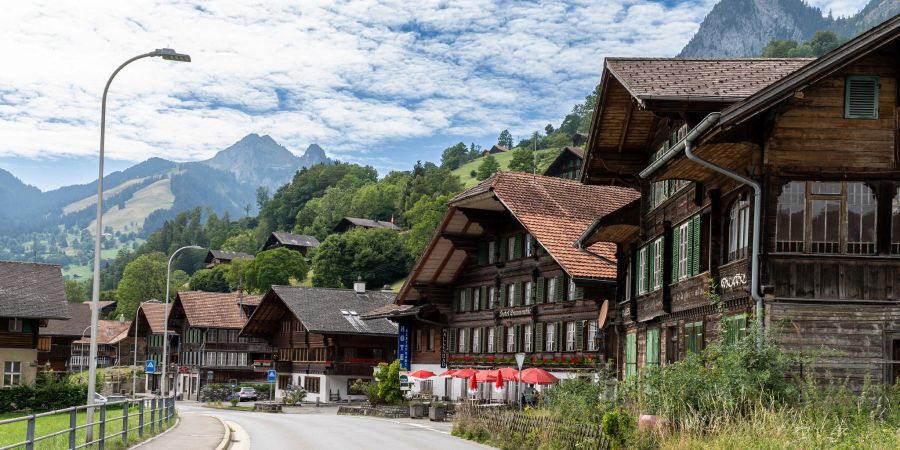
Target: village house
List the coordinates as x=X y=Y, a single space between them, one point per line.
x=501 y=276
x=298 y=242
x=30 y=295
x=348 y=223
x=321 y=343
x=115 y=347
x=55 y=343
x=216 y=257
x=496 y=148
x=567 y=164
x=207 y=344
x=149 y=327
x=769 y=187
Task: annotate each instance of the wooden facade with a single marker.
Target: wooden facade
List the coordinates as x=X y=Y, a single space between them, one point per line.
x=822 y=141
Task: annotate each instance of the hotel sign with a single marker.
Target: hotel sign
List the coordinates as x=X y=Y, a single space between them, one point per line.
x=514 y=312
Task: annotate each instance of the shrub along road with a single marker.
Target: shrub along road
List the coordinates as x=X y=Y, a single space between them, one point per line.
x=327 y=430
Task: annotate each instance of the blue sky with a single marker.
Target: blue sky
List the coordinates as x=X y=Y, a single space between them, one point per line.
x=376 y=82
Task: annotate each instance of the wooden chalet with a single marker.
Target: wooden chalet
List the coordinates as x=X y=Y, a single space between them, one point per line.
x=149 y=327
x=349 y=223
x=494 y=150
x=207 y=343
x=30 y=295
x=55 y=349
x=298 y=242
x=115 y=347
x=216 y=257
x=567 y=165
x=501 y=275
x=321 y=343
x=806 y=149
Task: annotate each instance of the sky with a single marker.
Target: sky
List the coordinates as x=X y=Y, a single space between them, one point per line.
x=383 y=83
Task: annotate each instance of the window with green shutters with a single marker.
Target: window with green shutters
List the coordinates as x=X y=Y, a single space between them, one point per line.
x=641 y=269
x=656 y=263
x=451 y=339
x=695 y=245
x=686 y=249
x=630 y=354
x=551 y=290
x=539 y=291
x=861 y=97
x=651 y=356
x=518 y=338
x=518 y=296
x=693 y=337
x=735 y=328
x=518 y=245
x=539 y=337
x=579 y=336
x=558 y=287
x=529 y=245
x=498 y=338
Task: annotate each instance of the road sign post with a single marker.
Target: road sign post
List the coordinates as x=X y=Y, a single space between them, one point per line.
x=520 y=361
x=270 y=376
x=150 y=366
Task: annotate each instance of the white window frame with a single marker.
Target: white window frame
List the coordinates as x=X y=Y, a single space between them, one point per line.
x=529 y=246
x=492 y=297
x=15 y=325
x=527 y=294
x=684 y=243
x=551 y=289
x=476 y=340
x=476 y=299
x=490 y=339
x=492 y=252
x=511 y=294
x=461 y=341
x=570 y=294
x=511 y=248
x=511 y=339
x=641 y=270
x=528 y=336
x=12 y=373
x=658 y=262
x=550 y=333
x=570 y=336
x=592 y=336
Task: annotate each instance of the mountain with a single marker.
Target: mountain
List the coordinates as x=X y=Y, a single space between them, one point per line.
x=260 y=161
x=741 y=28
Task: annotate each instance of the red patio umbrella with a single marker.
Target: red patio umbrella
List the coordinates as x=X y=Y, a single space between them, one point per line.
x=498 y=386
x=486 y=375
x=473 y=384
x=535 y=375
x=509 y=373
x=464 y=373
x=421 y=374
x=448 y=373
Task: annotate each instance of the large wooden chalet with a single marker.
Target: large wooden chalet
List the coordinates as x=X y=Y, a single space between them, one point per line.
x=321 y=342
x=501 y=275
x=55 y=344
x=149 y=327
x=806 y=149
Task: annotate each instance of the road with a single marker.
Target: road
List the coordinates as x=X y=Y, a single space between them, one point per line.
x=324 y=429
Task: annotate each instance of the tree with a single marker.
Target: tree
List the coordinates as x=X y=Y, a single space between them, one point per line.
x=262 y=196
x=488 y=167
x=548 y=129
x=388 y=378
x=75 y=291
x=522 y=160
x=823 y=42
x=455 y=156
x=274 y=267
x=244 y=241
x=505 y=139
x=145 y=279
x=235 y=275
x=779 y=48
x=210 y=280
x=376 y=255
x=423 y=218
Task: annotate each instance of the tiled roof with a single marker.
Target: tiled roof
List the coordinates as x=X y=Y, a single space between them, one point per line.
x=110 y=332
x=32 y=291
x=369 y=223
x=732 y=79
x=223 y=255
x=556 y=211
x=300 y=240
x=326 y=310
x=155 y=312
x=79 y=319
x=215 y=309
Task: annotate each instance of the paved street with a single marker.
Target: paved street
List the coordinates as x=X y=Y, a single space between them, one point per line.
x=324 y=429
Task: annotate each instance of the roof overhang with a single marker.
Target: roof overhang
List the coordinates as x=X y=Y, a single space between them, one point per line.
x=619 y=226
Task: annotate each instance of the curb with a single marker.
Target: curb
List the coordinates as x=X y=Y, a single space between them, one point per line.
x=177 y=422
x=226 y=439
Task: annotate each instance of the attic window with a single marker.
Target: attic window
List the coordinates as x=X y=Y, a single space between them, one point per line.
x=861 y=97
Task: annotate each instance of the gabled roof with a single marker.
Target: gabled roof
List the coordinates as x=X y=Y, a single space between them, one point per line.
x=214 y=309
x=699 y=79
x=566 y=153
x=32 y=291
x=111 y=331
x=554 y=210
x=79 y=319
x=223 y=255
x=367 y=223
x=295 y=240
x=153 y=313
x=323 y=310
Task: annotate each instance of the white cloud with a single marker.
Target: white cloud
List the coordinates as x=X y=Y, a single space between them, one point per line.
x=353 y=75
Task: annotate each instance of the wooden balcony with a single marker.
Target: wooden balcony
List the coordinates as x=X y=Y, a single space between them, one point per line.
x=834 y=277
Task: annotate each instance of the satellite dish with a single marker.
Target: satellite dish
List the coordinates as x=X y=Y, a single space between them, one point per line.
x=604 y=310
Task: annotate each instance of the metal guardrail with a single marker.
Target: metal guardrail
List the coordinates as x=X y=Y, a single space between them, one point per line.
x=161 y=410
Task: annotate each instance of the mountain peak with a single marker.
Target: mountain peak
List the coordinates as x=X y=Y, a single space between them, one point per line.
x=259 y=160
x=314 y=151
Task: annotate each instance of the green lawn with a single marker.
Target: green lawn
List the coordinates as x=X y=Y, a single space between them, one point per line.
x=464 y=172
x=15 y=432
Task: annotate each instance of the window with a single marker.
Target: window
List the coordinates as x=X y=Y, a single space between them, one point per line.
x=551 y=289
x=628 y=286
x=511 y=294
x=462 y=340
x=476 y=340
x=418 y=341
x=511 y=339
x=223 y=358
x=311 y=384
x=656 y=265
x=895 y=223
x=492 y=297
x=551 y=338
x=630 y=354
x=651 y=357
x=693 y=337
x=511 y=247
x=641 y=269
x=429 y=344
x=43 y=344
x=735 y=328
x=570 y=336
x=12 y=373
x=810 y=219
x=592 y=336
x=529 y=245
x=298 y=326
x=738 y=230
x=492 y=252
x=528 y=292
x=490 y=339
x=476 y=299
x=528 y=338
x=15 y=325
x=861 y=97
x=686 y=249
x=570 y=292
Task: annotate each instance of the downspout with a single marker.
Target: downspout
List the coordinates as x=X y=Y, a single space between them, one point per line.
x=688 y=144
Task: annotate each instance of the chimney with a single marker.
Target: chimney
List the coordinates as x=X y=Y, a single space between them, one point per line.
x=359 y=286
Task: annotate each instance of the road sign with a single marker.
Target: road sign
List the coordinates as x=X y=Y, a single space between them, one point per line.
x=520 y=359
x=404 y=381
x=150 y=366
x=271 y=376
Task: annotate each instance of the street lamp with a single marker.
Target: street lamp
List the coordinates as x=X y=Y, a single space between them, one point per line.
x=81 y=358
x=165 y=361
x=167 y=54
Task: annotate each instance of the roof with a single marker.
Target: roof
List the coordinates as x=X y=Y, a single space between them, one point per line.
x=710 y=79
x=111 y=331
x=369 y=223
x=79 y=319
x=326 y=310
x=32 y=291
x=554 y=210
x=214 y=309
x=566 y=153
x=394 y=310
x=223 y=255
x=297 y=240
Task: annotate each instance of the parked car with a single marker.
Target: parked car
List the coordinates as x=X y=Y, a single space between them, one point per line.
x=247 y=393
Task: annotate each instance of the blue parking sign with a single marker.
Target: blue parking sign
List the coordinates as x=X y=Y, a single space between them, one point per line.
x=150 y=366
x=271 y=376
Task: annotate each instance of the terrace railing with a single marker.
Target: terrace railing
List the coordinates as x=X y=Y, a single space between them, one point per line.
x=137 y=416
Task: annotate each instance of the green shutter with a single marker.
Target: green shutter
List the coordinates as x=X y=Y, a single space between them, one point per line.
x=579 y=292
x=651 y=356
x=861 y=97
x=651 y=264
x=468 y=294
x=517 y=251
x=498 y=339
x=518 y=294
x=482 y=253
x=503 y=249
x=646 y=270
x=630 y=354
x=695 y=243
x=539 y=290
x=673 y=274
x=502 y=300
x=560 y=281
x=539 y=337
x=560 y=333
x=579 y=336
x=518 y=337
x=451 y=340
x=484 y=297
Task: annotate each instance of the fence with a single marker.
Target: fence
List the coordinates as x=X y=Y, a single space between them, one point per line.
x=112 y=420
x=529 y=431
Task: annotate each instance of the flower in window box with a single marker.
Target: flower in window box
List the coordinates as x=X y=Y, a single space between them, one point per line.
x=491 y=358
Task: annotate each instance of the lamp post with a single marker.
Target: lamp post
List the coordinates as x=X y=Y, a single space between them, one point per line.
x=81 y=358
x=165 y=361
x=167 y=54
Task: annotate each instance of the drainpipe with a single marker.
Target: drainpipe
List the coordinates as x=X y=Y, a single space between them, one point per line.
x=688 y=145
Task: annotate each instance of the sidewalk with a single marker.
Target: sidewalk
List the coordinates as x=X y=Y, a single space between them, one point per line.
x=196 y=431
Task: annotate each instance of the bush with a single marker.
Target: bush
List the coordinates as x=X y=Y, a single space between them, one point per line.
x=215 y=392
x=618 y=427
x=294 y=396
x=49 y=395
x=388 y=379
x=370 y=389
